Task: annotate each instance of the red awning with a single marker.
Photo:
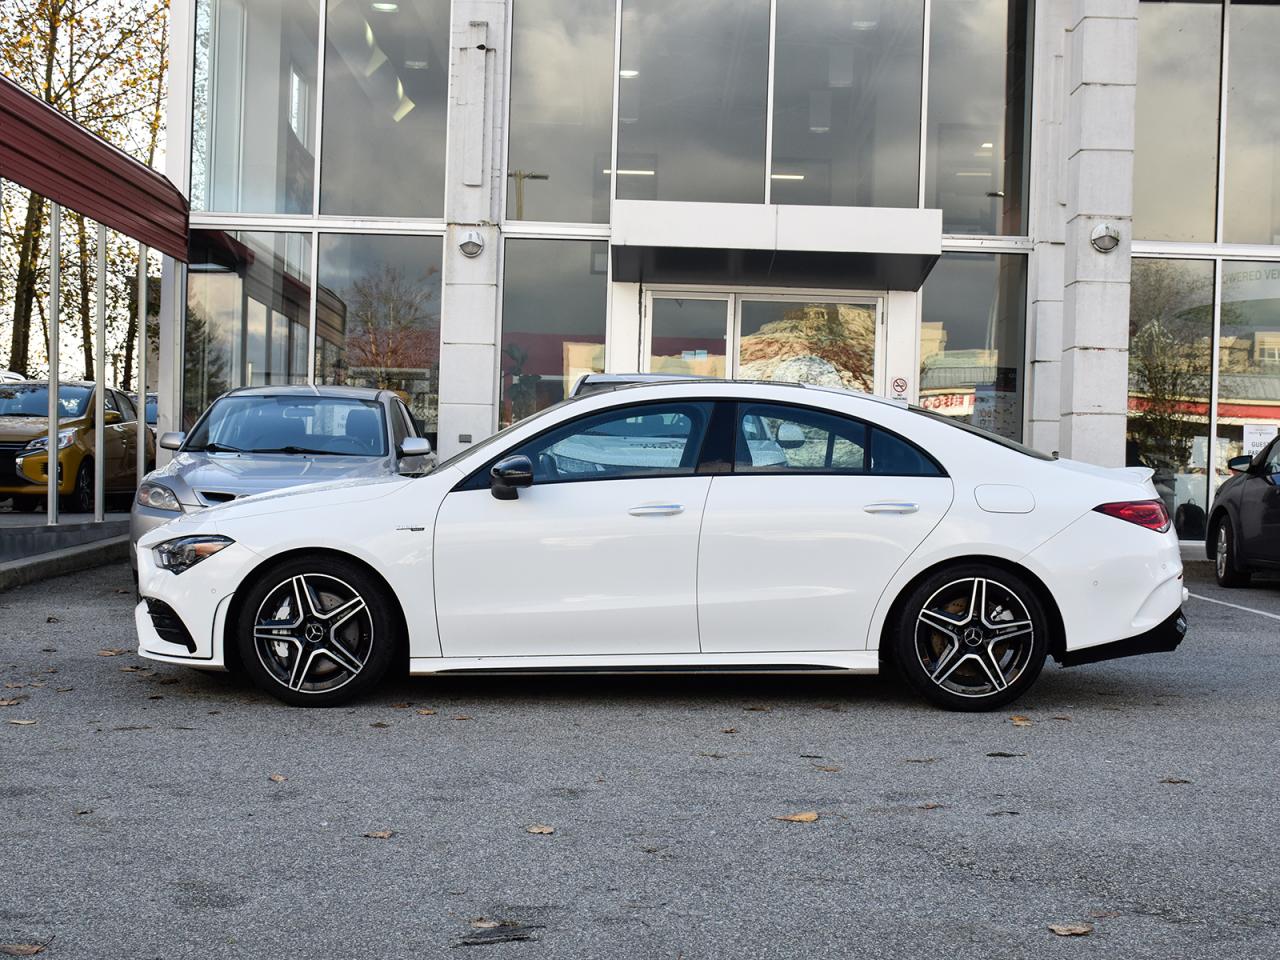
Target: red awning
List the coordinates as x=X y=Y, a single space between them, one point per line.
x=46 y=152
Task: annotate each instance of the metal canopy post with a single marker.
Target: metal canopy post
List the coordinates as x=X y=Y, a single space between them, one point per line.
x=100 y=384
x=141 y=467
x=55 y=308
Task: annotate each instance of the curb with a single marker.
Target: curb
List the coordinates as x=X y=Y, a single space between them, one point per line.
x=55 y=563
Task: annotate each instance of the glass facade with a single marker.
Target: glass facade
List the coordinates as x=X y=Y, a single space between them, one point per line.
x=248 y=313
x=1252 y=188
x=979 y=81
x=973 y=340
x=378 y=318
x=692 y=101
x=386 y=85
x=559 y=139
x=689 y=336
x=828 y=344
x=254 y=106
x=553 y=321
x=1170 y=372
x=846 y=103
x=1248 y=358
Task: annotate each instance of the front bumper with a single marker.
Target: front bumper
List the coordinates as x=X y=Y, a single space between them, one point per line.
x=1163 y=638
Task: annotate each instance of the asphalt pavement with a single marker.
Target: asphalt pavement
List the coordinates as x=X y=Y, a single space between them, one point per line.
x=154 y=811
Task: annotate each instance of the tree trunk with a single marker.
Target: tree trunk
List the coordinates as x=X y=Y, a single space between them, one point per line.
x=86 y=305
x=25 y=287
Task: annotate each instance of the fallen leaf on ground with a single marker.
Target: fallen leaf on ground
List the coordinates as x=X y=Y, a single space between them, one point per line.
x=758 y=709
x=713 y=756
x=22 y=723
x=81 y=813
x=480 y=923
x=1020 y=721
x=809 y=816
x=1060 y=718
x=1002 y=753
x=277 y=778
x=22 y=949
x=380 y=725
x=380 y=834
x=931 y=806
x=156 y=696
x=63 y=689
x=810 y=756
x=921 y=760
x=826 y=769
x=540 y=828
x=729 y=730
x=130 y=669
x=48 y=649
x=426 y=713
x=1004 y=813
x=52 y=620
x=11 y=702
x=1072 y=929
x=399 y=706
x=13 y=686
x=508 y=931
x=113 y=652
x=1173 y=780
x=461 y=718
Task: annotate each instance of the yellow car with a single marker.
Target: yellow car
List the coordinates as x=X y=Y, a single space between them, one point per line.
x=24 y=457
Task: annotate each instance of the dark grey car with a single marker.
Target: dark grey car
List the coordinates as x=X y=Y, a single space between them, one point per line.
x=258 y=439
x=1244 y=530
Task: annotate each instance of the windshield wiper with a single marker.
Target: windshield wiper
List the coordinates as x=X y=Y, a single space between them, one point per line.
x=294 y=449
x=214 y=447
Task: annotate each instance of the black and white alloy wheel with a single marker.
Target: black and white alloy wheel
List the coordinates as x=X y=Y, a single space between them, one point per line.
x=1224 y=558
x=972 y=638
x=316 y=633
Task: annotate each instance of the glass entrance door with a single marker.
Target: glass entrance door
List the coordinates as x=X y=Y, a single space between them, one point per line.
x=826 y=341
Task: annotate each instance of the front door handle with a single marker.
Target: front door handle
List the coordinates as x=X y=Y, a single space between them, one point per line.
x=891 y=506
x=656 y=509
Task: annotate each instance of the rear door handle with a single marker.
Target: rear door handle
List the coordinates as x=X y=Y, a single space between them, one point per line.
x=888 y=506
x=656 y=509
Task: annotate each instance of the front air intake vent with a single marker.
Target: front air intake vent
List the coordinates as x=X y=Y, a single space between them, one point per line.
x=169 y=625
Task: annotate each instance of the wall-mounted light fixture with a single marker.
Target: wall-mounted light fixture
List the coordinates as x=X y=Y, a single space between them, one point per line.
x=471 y=244
x=1105 y=237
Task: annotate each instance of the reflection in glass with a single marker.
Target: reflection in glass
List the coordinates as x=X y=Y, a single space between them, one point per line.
x=254 y=106
x=386 y=83
x=1248 y=359
x=693 y=87
x=553 y=315
x=688 y=336
x=846 y=103
x=972 y=340
x=1170 y=362
x=1252 y=187
x=979 y=77
x=829 y=344
x=248 y=311
x=1175 y=183
x=561 y=105
x=378 y=318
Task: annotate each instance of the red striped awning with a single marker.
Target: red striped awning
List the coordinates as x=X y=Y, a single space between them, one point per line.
x=53 y=155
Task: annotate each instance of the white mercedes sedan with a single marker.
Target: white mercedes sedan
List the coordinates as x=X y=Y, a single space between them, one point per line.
x=684 y=526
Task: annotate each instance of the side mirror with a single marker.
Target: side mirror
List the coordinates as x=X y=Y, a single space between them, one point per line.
x=1239 y=464
x=413 y=447
x=111 y=417
x=790 y=436
x=508 y=475
x=171 y=440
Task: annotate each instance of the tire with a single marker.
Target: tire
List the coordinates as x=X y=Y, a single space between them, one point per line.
x=968 y=663
x=80 y=499
x=323 y=616
x=24 y=503
x=1226 y=568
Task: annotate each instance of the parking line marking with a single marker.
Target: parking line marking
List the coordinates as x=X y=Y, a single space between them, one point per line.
x=1261 y=613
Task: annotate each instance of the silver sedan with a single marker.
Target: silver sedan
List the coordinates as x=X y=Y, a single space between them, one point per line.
x=259 y=439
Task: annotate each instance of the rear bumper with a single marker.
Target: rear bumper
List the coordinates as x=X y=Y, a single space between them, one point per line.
x=1163 y=638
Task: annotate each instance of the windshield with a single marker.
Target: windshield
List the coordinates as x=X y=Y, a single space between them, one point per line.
x=984 y=434
x=32 y=400
x=338 y=426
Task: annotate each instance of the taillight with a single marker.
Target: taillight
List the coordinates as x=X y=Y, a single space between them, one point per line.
x=1145 y=513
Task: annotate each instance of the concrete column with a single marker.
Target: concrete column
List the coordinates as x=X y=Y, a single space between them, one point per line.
x=1047 y=210
x=1102 y=62
x=469 y=321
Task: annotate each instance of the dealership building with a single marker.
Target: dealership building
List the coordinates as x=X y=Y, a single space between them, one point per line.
x=1058 y=219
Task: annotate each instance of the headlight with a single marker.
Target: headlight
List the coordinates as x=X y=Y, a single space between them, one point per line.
x=185 y=552
x=65 y=439
x=158 y=497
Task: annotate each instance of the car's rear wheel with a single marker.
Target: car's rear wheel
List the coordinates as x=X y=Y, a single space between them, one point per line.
x=1225 y=562
x=972 y=637
x=317 y=632
x=25 y=503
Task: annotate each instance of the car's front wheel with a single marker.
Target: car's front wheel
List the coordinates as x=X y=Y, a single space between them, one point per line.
x=1225 y=562
x=972 y=637
x=317 y=631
